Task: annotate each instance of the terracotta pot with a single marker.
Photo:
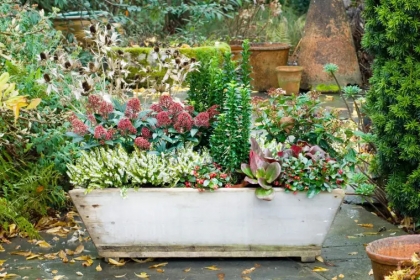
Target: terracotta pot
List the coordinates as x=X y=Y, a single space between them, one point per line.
x=387 y=253
x=289 y=78
x=265 y=57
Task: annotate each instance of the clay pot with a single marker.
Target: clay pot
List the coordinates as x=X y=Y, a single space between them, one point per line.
x=265 y=57
x=289 y=78
x=387 y=253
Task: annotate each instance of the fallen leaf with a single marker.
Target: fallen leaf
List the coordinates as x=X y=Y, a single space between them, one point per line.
x=51 y=256
x=356 y=221
x=143 y=261
x=142 y=275
x=69 y=252
x=319 y=258
x=88 y=262
x=341 y=276
x=98 y=268
x=79 y=249
x=120 y=276
x=353 y=253
x=33 y=256
x=58 y=277
x=221 y=276
x=187 y=269
x=319 y=269
x=79 y=273
x=248 y=271
x=366 y=225
x=370 y=272
x=334 y=278
x=257 y=265
x=392 y=233
x=213 y=267
x=349 y=237
x=83 y=258
x=2 y=249
x=246 y=278
x=371 y=233
x=21 y=253
x=160 y=270
x=116 y=263
x=54 y=271
x=158 y=265
x=8 y=275
x=2 y=262
x=43 y=244
x=24 y=267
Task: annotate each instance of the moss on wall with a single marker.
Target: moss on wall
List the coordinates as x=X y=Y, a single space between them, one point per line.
x=327 y=88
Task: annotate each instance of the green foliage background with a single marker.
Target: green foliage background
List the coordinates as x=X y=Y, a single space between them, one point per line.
x=393 y=37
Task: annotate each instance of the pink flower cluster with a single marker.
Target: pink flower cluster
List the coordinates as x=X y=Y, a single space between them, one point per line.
x=125 y=125
x=163 y=119
x=146 y=133
x=133 y=108
x=97 y=105
x=142 y=143
x=78 y=126
x=184 y=122
x=202 y=119
x=101 y=133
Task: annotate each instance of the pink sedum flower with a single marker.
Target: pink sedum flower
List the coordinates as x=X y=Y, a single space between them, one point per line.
x=79 y=126
x=142 y=143
x=165 y=101
x=184 y=122
x=146 y=133
x=125 y=125
x=202 y=119
x=156 y=107
x=133 y=108
x=163 y=119
x=100 y=132
x=105 y=109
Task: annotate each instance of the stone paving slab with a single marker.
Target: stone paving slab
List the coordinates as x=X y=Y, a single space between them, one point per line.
x=342 y=255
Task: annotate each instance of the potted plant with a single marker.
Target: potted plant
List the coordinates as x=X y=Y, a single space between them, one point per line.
x=156 y=164
x=289 y=78
x=253 y=22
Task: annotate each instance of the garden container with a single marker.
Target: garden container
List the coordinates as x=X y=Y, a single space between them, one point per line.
x=289 y=78
x=265 y=57
x=387 y=253
x=77 y=22
x=183 y=222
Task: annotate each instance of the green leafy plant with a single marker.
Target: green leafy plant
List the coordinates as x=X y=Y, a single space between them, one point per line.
x=207 y=176
x=300 y=116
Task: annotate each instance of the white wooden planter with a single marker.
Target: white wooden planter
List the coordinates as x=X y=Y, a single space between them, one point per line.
x=181 y=222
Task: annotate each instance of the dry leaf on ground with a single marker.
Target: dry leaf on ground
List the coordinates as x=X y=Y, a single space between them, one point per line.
x=187 y=269
x=116 y=263
x=120 y=276
x=54 y=271
x=6 y=275
x=370 y=272
x=43 y=244
x=2 y=249
x=248 y=271
x=143 y=261
x=21 y=253
x=160 y=270
x=2 y=262
x=79 y=273
x=366 y=225
x=221 y=276
x=246 y=278
x=212 y=267
x=142 y=275
x=79 y=249
x=319 y=258
x=158 y=265
x=98 y=268
x=353 y=253
x=341 y=276
x=319 y=269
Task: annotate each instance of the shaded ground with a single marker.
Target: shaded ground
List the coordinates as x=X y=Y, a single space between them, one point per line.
x=343 y=253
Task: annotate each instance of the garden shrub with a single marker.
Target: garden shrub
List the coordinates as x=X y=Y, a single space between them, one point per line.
x=393 y=101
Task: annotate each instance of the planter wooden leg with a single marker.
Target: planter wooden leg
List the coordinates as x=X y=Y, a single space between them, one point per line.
x=307 y=259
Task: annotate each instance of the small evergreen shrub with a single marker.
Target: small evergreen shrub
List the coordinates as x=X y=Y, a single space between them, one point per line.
x=392 y=36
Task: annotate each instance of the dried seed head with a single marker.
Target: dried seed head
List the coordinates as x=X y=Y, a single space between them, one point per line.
x=156 y=49
x=108 y=40
x=108 y=26
x=168 y=52
x=47 y=78
x=91 y=66
x=43 y=56
x=67 y=64
x=193 y=60
x=177 y=61
x=185 y=63
x=86 y=86
x=92 y=29
x=120 y=52
x=176 y=53
x=55 y=57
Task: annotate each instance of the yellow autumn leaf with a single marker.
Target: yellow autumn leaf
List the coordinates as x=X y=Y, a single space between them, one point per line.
x=79 y=273
x=58 y=277
x=158 y=265
x=116 y=263
x=319 y=258
x=366 y=225
x=248 y=271
x=62 y=254
x=142 y=275
x=334 y=278
x=221 y=276
x=160 y=270
x=120 y=276
x=43 y=244
x=51 y=256
x=2 y=262
x=33 y=256
x=88 y=262
x=34 y=103
x=187 y=269
x=54 y=271
x=246 y=278
x=69 y=252
x=319 y=269
x=2 y=249
x=212 y=267
x=79 y=249
x=353 y=253
x=143 y=261
x=83 y=258
x=98 y=268
x=341 y=276
x=370 y=272
x=6 y=275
